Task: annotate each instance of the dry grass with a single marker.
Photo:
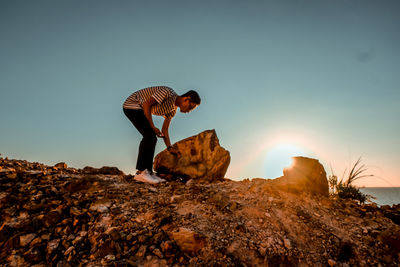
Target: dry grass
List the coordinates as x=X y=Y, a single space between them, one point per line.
x=345 y=187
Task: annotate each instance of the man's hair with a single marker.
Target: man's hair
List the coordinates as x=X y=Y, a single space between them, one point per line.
x=194 y=97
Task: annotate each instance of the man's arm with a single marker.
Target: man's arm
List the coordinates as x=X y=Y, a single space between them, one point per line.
x=147 y=112
x=166 y=138
x=165 y=133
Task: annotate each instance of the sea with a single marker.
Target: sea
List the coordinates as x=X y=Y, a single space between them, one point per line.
x=383 y=195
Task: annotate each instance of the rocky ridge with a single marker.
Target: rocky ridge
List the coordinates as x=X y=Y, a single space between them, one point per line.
x=61 y=216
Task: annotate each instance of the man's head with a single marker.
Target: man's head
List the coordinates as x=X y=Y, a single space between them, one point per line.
x=190 y=101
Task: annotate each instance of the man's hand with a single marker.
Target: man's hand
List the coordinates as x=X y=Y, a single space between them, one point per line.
x=158 y=132
x=174 y=151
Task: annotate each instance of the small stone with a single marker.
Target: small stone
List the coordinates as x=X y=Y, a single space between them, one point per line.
x=110 y=257
x=153 y=189
x=83 y=233
x=188 y=240
x=141 y=252
x=51 y=218
x=190 y=182
x=262 y=251
x=75 y=211
x=12 y=175
x=287 y=243
x=26 y=239
x=166 y=246
x=101 y=205
x=45 y=236
x=52 y=245
x=36 y=241
x=34 y=254
x=69 y=250
x=61 y=165
x=15 y=260
x=175 y=198
x=77 y=240
x=142 y=239
x=158 y=253
x=113 y=232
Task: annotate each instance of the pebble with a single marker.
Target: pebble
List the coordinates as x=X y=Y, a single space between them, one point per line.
x=287 y=243
x=69 y=250
x=24 y=240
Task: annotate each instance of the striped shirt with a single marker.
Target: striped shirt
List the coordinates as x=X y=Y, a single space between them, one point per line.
x=164 y=96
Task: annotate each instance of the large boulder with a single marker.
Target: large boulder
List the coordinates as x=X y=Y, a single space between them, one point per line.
x=304 y=175
x=202 y=158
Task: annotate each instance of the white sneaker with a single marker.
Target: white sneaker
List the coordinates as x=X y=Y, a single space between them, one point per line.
x=160 y=180
x=146 y=177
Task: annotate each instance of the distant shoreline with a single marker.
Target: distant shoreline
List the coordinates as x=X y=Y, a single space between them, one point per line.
x=362 y=187
x=383 y=195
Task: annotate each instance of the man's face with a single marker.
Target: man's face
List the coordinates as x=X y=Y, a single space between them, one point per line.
x=187 y=106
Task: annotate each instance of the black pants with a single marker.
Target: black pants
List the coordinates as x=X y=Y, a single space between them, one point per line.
x=149 y=140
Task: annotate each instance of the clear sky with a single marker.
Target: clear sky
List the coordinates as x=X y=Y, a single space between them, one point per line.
x=276 y=78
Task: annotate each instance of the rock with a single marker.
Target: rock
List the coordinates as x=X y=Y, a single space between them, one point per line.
x=141 y=252
x=331 y=262
x=10 y=173
x=12 y=243
x=6 y=231
x=35 y=241
x=4 y=198
x=35 y=254
x=391 y=238
x=158 y=253
x=113 y=232
x=52 y=246
x=105 y=249
x=101 y=205
x=26 y=239
x=103 y=170
x=52 y=217
x=110 y=257
x=69 y=250
x=16 y=261
x=61 y=165
x=202 y=157
x=167 y=247
x=304 y=175
x=287 y=243
x=188 y=240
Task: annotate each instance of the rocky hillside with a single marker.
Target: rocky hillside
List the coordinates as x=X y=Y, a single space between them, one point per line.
x=54 y=215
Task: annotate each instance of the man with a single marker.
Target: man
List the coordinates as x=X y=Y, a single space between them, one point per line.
x=139 y=108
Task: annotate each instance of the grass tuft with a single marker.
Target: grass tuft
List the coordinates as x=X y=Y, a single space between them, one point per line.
x=345 y=189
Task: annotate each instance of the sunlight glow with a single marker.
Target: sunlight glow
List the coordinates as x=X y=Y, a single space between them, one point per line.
x=279 y=157
x=272 y=151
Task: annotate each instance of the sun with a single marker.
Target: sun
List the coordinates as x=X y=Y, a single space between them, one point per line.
x=279 y=156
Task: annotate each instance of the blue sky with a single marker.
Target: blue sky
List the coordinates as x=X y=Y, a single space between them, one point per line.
x=321 y=77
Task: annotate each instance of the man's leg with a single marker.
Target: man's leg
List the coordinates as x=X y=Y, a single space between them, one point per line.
x=148 y=144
